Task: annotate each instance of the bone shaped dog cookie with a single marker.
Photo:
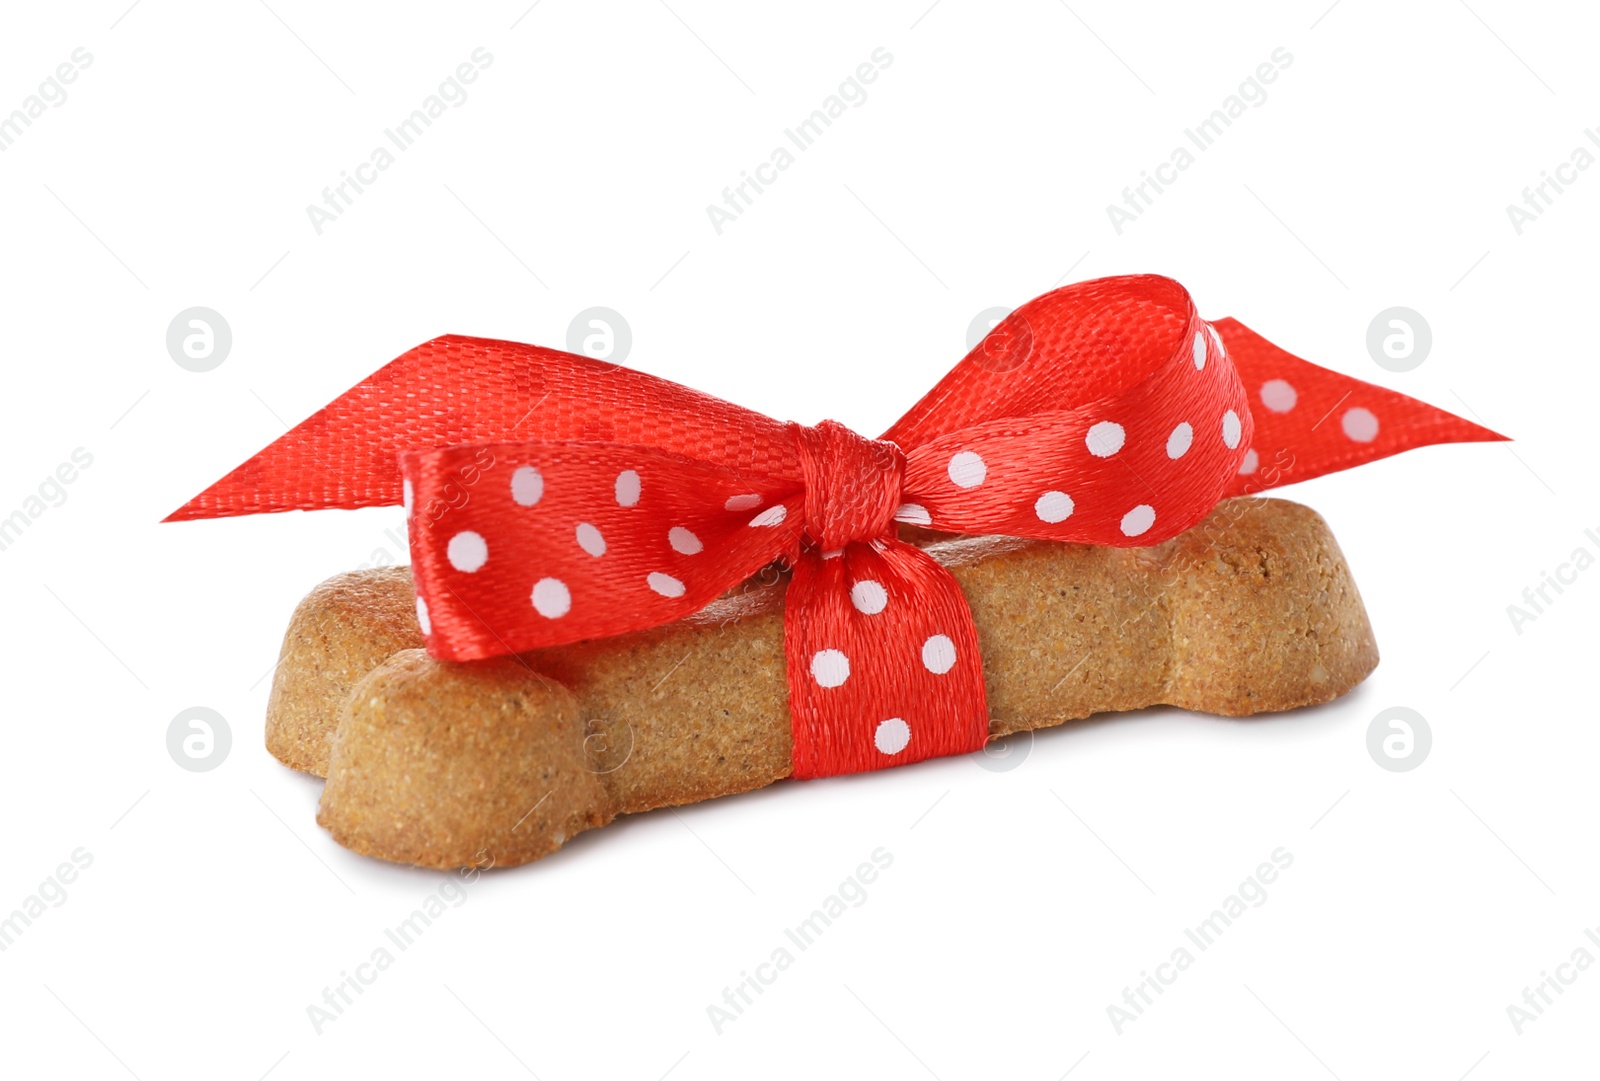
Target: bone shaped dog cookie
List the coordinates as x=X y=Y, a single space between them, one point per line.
x=579 y=637
x=445 y=764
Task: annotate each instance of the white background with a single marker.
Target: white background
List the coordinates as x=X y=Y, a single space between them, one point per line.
x=976 y=174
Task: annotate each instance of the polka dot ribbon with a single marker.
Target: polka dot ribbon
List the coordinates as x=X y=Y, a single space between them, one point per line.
x=553 y=498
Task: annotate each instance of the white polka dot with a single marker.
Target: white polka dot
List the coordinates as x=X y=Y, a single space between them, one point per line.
x=590 y=540
x=829 y=667
x=1251 y=461
x=627 y=488
x=1359 y=424
x=772 y=516
x=967 y=470
x=1105 y=439
x=743 y=502
x=1178 y=442
x=1053 y=507
x=683 y=542
x=527 y=486
x=892 y=736
x=833 y=553
x=406 y=495
x=1231 y=429
x=1199 y=351
x=467 y=551
x=422 y=616
x=1139 y=519
x=1216 y=340
x=1278 y=395
x=551 y=598
x=938 y=654
x=665 y=584
x=869 y=597
x=913 y=514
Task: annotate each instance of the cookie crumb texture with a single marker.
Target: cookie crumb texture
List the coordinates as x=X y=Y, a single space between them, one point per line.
x=344 y=628
x=444 y=765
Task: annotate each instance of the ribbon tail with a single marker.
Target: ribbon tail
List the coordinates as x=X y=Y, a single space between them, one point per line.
x=883 y=661
x=457 y=390
x=1310 y=421
x=447 y=391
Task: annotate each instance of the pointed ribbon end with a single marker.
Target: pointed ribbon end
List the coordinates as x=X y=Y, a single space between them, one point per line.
x=451 y=390
x=1310 y=420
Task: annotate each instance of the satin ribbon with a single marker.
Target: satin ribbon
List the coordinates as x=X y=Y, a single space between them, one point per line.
x=553 y=498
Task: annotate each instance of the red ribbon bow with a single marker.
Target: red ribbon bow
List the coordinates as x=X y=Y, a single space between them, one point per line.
x=554 y=498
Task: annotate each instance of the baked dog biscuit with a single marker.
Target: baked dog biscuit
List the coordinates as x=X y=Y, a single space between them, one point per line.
x=446 y=764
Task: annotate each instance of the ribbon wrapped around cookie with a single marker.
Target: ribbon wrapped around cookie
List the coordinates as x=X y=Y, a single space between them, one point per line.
x=554 y=498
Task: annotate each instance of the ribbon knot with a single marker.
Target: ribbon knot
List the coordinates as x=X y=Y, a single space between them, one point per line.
x=852 y=484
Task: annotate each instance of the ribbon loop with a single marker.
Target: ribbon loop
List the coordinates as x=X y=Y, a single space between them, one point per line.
x=519 y=546
x=852 y=483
